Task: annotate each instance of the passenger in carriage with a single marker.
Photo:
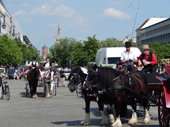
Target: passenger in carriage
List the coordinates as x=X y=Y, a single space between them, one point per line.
x=33 y=63
x=47 y=64
x=148 y=60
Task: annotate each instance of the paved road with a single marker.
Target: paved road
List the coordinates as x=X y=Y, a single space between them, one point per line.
x=63 y=110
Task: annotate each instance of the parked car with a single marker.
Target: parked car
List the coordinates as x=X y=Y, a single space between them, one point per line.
x=67 y=73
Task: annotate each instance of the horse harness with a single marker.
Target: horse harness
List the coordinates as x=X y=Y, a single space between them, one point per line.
x=131 y=84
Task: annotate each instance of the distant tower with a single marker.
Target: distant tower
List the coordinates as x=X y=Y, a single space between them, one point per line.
x=58 y=35
x=44 y=51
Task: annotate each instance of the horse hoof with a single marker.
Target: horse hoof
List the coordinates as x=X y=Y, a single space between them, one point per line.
x=83 y=123
x=49 y=96
x=147 y=120
x=132 y=121
x=35 y=96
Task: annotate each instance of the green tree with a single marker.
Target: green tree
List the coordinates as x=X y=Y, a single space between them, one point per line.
x=160 y=51
x=111 y=42
x=61 y=52
x=11 y=53
x=77 y=55
x=90 y=49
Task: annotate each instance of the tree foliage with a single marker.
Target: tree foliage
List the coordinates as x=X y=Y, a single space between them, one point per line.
x=90 y=49
x=160 y=51
x=13 y=52
x=111 y=42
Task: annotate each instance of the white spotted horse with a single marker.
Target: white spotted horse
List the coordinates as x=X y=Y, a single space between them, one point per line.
x=49 y=82
x=119 y=88
x=79 y=74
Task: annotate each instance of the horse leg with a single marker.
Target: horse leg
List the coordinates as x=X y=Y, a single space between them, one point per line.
x=86 y=121
x=118 y=105
x=51 y=88
x=47 y=90
x=111 y=114
x=134 y=119
x=147 y=118
x=35 y=89
x=31 y=89
x=105 y=121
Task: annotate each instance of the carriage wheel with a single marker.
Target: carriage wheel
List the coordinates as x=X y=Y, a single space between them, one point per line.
x=2 y=93
x=162 y=110
x=55 y=90
x=26 y=92
x=7 y=93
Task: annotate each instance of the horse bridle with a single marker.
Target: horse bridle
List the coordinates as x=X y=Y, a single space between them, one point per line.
x=89 y=84
x=76 y=86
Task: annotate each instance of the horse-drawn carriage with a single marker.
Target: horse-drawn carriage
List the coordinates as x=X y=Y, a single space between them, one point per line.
x=44 y=81
x=158 y=92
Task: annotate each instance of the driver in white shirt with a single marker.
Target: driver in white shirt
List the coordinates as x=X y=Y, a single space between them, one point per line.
x=128 y=55
x=33 y=63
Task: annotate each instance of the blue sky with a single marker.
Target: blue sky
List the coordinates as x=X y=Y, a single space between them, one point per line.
x=82 y=18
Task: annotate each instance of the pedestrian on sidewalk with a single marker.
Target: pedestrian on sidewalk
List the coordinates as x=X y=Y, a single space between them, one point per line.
x=62 y=77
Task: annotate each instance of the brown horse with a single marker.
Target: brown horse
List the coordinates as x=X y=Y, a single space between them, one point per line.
x=32 y=77
x=126 y=86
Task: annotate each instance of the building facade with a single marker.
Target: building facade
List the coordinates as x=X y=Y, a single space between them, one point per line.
x=153 y=30
x=16 y=29
x=5 y=20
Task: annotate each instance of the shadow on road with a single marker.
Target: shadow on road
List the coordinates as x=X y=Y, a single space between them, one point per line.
x=93 y=122
x=39 y=94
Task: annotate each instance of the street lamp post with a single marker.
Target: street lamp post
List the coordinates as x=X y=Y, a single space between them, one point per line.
x=3 y=25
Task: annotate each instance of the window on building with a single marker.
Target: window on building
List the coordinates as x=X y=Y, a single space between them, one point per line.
x=161 y=37
x=156 y=38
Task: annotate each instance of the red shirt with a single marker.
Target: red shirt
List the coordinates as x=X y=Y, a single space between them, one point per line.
x=154 y=60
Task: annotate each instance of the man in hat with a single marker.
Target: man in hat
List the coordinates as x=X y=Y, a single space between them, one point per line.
x=33 y=63
x=128 y=55
x=147 y=59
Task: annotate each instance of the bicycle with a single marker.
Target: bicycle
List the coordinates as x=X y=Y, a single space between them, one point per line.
x=5 y=91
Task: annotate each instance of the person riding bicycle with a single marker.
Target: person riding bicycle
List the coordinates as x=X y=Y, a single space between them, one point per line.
x=1 y=75
x=128 y=55
x=33 y=63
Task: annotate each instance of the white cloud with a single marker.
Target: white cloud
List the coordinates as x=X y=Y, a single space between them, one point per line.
x=116 y=13
x=43 y=10
x=20 y=12
x=78 y=19
x=64 y=11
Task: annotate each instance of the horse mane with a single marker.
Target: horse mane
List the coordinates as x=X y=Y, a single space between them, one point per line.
x=78 y=70
x=32 y=75
x=106 y=75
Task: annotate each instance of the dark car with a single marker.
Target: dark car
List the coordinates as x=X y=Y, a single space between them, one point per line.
x=11 y=73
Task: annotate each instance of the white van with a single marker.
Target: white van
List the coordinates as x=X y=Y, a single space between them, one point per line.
x=109 y=56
